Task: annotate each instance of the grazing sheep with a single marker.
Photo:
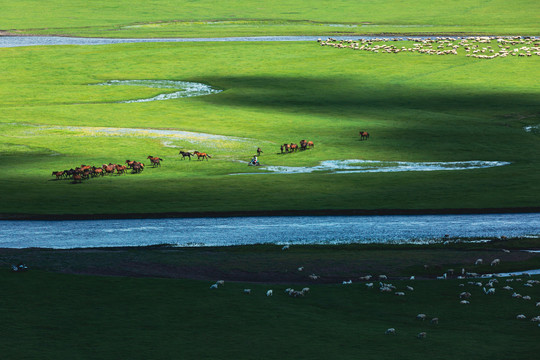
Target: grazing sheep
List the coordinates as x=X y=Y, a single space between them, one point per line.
x=538 y=303
x=478 y=262
x=400 y=293
x=526 y=297
x=214 y=286
x=443 y=277
x=305 y=290
x=286 y=247
x=390 y=331
x=435 y=321
x=314 y=277
x=516 y=295
x=421 y=317
x=269 y=293
x=465 y=295
x=369 y=285
x=521 y=317
x=506 y=251
x=536 y=319
x=220 y=282
x=508 y=288
x=301 y=268
x=347 y=282
x=464 y=302
x=489 y=291
x=411 y=278
x=383 y=277
x=247 y=291
x=421 y=335
x=461 y=285
x=367 y=277
x=410 y=288
x=495 y=262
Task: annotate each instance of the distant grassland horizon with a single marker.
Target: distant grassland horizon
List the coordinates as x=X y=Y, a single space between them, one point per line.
x=208 y=18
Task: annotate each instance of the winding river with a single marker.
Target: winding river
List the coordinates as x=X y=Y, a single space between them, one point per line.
x=273 y=229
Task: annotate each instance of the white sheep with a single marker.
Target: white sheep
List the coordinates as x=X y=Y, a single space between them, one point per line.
x=495 y=262
x=464 y=302
x=314 y=277
x=435 y=321
x=410 y=288
x=214 y=286
x=247 y=291
x=478 y=261
x=383 y=277
x=347 y=282
x=369 y=285
x=220 y=282
x=411 y=278
x=526 y=297
x=305 y=290
x=538 y=303
x=390 y=331
x=400 y=293
x=465 y=295
x=286 y=247
x=301 y=268
x=421 y=335
x=521 y=317
x=269 y=293
x=421 y=317
x=490 y=291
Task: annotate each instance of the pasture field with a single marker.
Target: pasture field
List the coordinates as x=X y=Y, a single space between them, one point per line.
x=161 y=312
x=206 y=18
x=417 y=108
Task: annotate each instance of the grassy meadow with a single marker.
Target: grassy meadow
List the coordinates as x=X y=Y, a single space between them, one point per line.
x=416 y=107
x=156 y=302
x=206 y=18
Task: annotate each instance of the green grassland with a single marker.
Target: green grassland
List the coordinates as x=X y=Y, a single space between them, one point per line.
x=206 y=18
x=416 y=108
x=49 y=315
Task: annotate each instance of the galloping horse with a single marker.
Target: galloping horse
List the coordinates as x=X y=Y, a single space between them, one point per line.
x=202 y=155
x=156 y=161
x=120 y=169
x=58 y=174
x=137 y=167
x=109 y=169
x=185 y=153
x=364 y=135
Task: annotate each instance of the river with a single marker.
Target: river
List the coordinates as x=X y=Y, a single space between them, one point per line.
x=255 y=230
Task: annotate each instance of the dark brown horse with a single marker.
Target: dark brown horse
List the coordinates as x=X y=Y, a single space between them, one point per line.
x=185 y=153
x=58 y=174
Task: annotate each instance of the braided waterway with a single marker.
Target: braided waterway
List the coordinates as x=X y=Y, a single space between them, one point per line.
x=226 y=231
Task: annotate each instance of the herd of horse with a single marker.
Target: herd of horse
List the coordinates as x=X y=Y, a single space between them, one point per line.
x=84 y=172
x=136 y=167
x=292 y=147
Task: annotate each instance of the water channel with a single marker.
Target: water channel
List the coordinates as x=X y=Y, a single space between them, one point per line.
x=280 y=230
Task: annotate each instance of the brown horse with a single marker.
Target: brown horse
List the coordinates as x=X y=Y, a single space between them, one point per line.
x=310 y=144
x=120 y=169
x=109 y=169
x=77 y=178
x=156 y=161
x=293 y=147
x=202 y=155
x=58 y=174
x=364 y=135
x=137 y=167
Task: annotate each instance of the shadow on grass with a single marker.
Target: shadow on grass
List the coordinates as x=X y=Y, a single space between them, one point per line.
x=328 y=95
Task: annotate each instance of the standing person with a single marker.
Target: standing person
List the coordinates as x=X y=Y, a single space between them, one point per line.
x=259 y=151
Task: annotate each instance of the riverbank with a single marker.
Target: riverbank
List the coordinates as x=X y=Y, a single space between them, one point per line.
x=306 y=212
x=269 y=263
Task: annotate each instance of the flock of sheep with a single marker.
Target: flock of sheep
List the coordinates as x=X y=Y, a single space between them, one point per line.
x=480 y=47
x=476 y=280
